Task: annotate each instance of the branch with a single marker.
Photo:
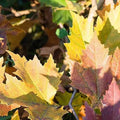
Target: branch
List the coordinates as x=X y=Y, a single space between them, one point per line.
x=70 y=104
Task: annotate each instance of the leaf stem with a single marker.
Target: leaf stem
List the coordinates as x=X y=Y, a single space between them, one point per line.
x=70 y=103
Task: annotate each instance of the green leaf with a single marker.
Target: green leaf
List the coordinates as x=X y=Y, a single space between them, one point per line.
x=64 y=98
x=53 y=3
x=62 y=16
x=61 y=33
x=110 y=37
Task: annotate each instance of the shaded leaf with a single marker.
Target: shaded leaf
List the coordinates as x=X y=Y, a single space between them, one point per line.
x=62 y=16
x=111 y=96
x=61 y=33
x=15 y=116
x=68 y=116
x=111 y=101
x=89 y=113
x=53 y=3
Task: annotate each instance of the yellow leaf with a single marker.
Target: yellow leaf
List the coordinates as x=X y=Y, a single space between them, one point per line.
x=15 y=116
x=76 y=45
x=42 y=80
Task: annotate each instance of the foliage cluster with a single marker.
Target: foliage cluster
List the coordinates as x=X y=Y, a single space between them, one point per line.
x=30 y=90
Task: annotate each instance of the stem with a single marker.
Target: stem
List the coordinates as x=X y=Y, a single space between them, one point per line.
x=70 y=104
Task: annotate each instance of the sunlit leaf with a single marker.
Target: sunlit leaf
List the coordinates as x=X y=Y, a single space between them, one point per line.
x=93 y=76
x=37 y=78
x=109 y=32
x=76 y=45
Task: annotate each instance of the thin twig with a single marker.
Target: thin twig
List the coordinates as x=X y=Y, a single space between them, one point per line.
x=70 y=104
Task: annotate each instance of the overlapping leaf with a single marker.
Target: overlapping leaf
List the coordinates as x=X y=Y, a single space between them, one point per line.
x=76 y=45
x=93 y=76
x=37 y=87
x=111 y=100
x=37 y=78
x=109 y=32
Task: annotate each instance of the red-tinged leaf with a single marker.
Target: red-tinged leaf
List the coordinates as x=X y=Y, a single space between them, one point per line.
x=112 y=95
x=115 y=65
x=111 y=112
x=111 y=100
x=93 y=76
x=95 y=56
x=89 y=113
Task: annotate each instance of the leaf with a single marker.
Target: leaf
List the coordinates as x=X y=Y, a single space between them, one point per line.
x=109 y=31
x=115 y=64
x=37 y=78
x=92 y=56
x=111 y=96
x=64 y=98
x=61 y=33
x=37 y=88
x=109 y=37
x=6 y=108
x=111 y=101
x=20 y=30
x=53 y=3
x=89 y=113
x=58 y=17
x=15 y=116
x=93 y=76
x=76 y=45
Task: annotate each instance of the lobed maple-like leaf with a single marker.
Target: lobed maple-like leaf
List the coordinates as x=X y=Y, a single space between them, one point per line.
x=36 y=89
x=76 y=45
x=93 y=75
x=37 y=78
x=111 y=101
